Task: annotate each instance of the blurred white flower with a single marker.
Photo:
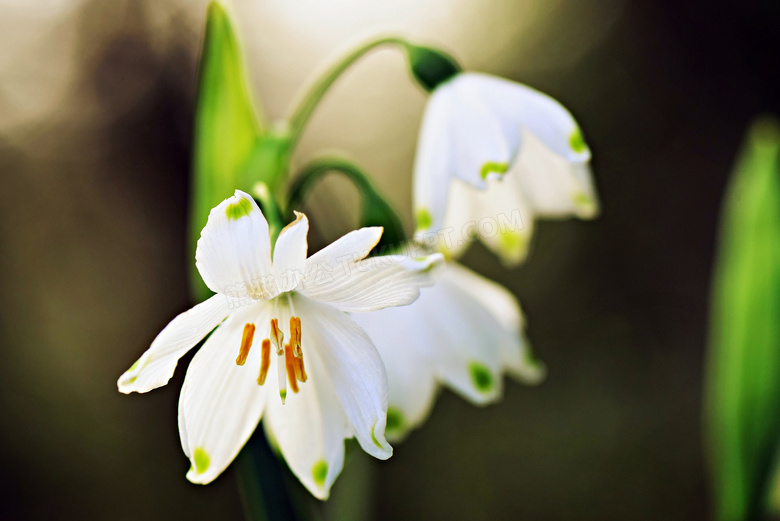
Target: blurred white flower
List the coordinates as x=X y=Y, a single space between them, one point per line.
x=492 y=148
x=340 y=392
x=465 y=332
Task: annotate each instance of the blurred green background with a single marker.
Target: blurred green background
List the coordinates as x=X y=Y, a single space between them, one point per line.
x=96 y=104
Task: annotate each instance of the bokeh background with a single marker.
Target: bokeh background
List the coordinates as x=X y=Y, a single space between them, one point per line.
x=96 y=103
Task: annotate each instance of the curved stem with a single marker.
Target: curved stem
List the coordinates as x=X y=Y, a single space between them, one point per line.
x=314 y=170
x=376 y=211
x=316 y=90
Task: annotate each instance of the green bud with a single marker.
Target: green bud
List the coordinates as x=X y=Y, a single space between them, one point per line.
x=431 y=67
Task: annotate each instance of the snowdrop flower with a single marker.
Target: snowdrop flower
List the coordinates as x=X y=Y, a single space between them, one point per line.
x=325 y=384
x=465 y=333
x=492 y=149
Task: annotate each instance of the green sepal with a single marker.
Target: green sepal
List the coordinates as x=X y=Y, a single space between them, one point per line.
x=431 y=67
x=743 y=380
x=375 y=210
x=226 y=128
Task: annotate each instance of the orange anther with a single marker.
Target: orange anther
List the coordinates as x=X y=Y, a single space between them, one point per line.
x=289 y=362
x=266 y=361
x=295 y=335
x=246 y=343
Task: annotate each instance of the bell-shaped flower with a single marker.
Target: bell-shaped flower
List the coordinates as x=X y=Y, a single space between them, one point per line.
x=465 y=333
x=282 y=347
x=490 y=147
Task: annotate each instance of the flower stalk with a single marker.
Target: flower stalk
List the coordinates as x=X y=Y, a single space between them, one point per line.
x=314 y=93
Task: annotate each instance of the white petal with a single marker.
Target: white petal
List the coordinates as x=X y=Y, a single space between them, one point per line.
x=499 y=216
x=521 y=107
x=341 y=276
x=553 y=186
x=505 y=309
x=290 y=253
x=404 y=339
x=482 y=146
x=234 y=250
x=434 y=165
x=310 y=428
x=466 y=340
x=351 y=247
x=377 y=282
x=452 y=335
x=460 y=137
x=157 y=364
x=354 y=367
x=221 y=402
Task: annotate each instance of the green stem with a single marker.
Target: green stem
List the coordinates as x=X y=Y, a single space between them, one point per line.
x=261 y=482
x=376 y=211
x=315 y=91
x=313 y=171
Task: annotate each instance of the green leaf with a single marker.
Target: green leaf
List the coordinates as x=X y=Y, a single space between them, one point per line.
x=743 y=387
x=226 y=131
x=375 y=210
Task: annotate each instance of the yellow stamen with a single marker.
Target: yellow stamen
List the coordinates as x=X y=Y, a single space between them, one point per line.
x=295 y=336
x=289 y=363
x=246 y=343
x=266 y=361
x=277 y=337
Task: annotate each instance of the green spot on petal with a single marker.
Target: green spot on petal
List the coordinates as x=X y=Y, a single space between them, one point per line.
x=235 y=211
x=577 y=142
x=512 y=241
x=283 y=395
x=373 y=437
x=319 y=472
x=201 y=460
x=481 y=377
x=424 y=219
x=492 y=167
x=135 y=364
x=395 y=421
x=581 y=199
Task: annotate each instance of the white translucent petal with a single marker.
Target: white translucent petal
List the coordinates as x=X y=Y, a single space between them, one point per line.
x=234 y=250
x=505 y=309
x=454 y=333
x=481 y=146
x=353 y=366
x=499 y=216
x=157 y=364
x=434 y=164
x=310 y=428
x=290 y=253
x=375 y=282
x=466 y=340
x=520 y=107
x=405 y=343
x=341 y=275
x=221 y=402
x=351 y=247
x=553 y=186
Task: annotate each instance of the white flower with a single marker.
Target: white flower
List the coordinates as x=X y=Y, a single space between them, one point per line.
x=492 y=150
x=245 y=371
x=465 y=332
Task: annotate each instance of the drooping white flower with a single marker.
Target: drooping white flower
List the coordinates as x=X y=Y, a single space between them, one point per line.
x=326 y=384
x=466 y=333
x=492 y=150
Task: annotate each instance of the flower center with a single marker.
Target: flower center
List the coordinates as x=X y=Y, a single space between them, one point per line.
x=289 y=357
